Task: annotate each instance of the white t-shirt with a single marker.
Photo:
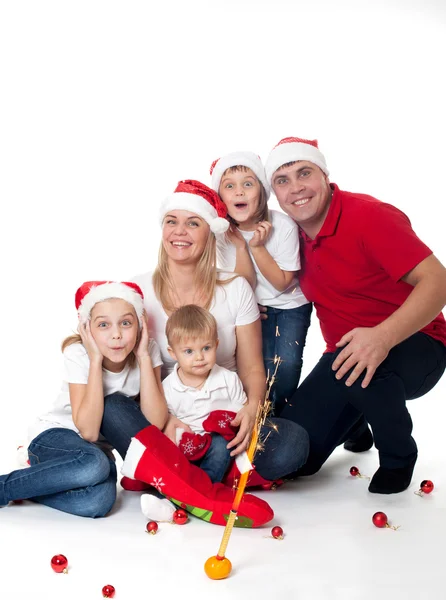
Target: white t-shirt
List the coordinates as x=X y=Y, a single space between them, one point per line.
x=283 y=246
x=76 y=369
x=234 y=305
x=222 y=390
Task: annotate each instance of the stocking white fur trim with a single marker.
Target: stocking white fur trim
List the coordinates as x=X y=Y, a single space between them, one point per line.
x=243 y=463
x=132 y=458
x=178 y=434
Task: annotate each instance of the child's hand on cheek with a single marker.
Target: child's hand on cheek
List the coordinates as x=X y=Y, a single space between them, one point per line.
x=88 y=342
x=141 y=350
x=261 y=234
x=235 y=237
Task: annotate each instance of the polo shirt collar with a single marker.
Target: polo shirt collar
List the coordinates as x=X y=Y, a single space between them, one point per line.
x=214 y=381
x=332 y=218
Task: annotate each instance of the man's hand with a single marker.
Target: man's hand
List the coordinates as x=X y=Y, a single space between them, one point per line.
x=244 y=420
x=365 y=348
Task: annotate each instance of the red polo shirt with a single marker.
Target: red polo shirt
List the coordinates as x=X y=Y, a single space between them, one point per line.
x=352 y=270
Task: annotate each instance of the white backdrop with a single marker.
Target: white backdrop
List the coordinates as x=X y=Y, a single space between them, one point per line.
x=104 y=106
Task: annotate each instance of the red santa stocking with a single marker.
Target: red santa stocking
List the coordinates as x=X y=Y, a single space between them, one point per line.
x=153 y=458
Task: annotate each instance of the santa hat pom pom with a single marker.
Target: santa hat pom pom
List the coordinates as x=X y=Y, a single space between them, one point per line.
x=219 y=225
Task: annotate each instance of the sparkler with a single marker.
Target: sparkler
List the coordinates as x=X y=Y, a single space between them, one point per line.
x=219 y=567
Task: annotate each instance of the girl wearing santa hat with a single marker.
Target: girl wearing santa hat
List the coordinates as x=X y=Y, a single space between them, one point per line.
x=263 y=246
x=71 y=465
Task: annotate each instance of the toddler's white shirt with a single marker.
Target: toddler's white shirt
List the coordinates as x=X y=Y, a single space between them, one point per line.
x=222 y=390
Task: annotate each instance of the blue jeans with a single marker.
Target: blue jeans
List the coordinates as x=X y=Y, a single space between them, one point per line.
x=285 y=447
x=66 y=473
x=283 y=334
x=217 y=459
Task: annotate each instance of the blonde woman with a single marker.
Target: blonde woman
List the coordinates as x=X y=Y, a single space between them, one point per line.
x=187 y=274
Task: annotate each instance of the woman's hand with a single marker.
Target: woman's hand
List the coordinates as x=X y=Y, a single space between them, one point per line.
x=141 y=350
x=235 y=237
x=244 y=420
x=94 y=354
x=261 y=234
x=172 y=425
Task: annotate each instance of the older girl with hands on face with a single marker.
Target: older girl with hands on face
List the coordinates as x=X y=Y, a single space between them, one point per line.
x=72 y=468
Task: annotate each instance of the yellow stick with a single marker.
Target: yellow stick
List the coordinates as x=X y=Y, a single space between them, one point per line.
x=238 y=496
x=219 y=567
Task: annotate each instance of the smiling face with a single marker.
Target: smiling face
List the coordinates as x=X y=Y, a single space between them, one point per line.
x=240 y=191
x=303 y=192
x=184 y=236
x=114 y=327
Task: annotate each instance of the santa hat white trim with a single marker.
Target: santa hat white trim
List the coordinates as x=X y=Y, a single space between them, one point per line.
x=194 y=203
x=106 y=291
x=291 y=152
x=244 y=159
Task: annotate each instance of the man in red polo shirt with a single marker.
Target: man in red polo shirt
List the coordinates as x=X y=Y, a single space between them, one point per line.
x=378 y=291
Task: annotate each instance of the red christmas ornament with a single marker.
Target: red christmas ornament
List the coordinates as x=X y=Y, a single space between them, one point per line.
x=59 y=563
x=180 y=516
x=380 y=519
x=152 y=527
x=354 y=472
x=108 y=591
x=426 y=486
x=277 y=532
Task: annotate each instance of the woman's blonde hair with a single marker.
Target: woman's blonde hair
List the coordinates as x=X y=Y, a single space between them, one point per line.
x=190 y=322
x=262 y=212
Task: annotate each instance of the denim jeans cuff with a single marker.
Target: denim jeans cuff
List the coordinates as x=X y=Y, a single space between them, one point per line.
x=3 y=501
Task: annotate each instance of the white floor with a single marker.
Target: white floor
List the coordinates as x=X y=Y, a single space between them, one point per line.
x=331 y=549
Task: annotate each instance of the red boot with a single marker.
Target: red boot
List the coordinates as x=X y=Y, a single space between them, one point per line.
x=153 y=458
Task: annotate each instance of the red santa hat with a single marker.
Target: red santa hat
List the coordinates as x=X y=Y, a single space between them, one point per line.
x=197 y=198
x=92 y=292
x=235 y=159
x=292 y=149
